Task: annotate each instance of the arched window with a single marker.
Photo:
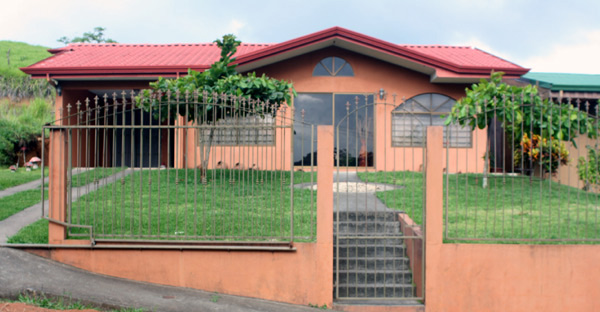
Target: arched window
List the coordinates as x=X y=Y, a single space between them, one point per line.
x=412 y=117
x=333 y=66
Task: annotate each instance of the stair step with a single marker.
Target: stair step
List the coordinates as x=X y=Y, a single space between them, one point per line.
x=356 y=277
x=378 y=290
x=388 y=263
x=370 y=251
x=365 y=216
x=362 y=228
x=388 y=241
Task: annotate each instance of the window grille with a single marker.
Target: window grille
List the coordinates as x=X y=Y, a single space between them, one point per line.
x=251 y=130
x=411 y=119
x=333 y=66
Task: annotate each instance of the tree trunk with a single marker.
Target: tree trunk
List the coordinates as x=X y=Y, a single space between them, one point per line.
x=205 y=148
x=486 y=165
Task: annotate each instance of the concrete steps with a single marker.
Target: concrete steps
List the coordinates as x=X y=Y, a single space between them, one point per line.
x=370 y=259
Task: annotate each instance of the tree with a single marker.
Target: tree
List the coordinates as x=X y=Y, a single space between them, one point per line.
x=520 y=110
x=95 y=36
x=221 y=79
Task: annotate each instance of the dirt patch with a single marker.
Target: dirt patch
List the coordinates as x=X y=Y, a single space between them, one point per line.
x=21 y=307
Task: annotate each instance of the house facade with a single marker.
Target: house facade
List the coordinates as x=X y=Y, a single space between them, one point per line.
x=392 y=92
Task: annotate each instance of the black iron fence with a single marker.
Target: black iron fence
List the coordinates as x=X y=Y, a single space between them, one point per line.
x=193 y=167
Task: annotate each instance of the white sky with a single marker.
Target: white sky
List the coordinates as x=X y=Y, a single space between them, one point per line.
x=547 y=36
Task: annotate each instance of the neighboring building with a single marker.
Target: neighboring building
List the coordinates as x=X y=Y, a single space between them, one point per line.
x=329 y=69
x=581 y=90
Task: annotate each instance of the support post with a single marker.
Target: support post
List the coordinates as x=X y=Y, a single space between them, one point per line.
x=433 y=223
x=57 y=191
x=325 y=209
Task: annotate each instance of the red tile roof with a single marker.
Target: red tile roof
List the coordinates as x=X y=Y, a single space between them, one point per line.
x=462 y=56
x=132 y=58
x=151 y=60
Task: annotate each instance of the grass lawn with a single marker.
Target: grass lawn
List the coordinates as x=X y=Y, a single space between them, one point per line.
x=14 y=203
x=233 y=205
x=35 y=233
x=81 y=178
x=510 y=208
x=9 y=205
x=9 y=179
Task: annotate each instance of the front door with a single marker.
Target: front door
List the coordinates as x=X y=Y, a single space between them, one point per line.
x=330 y=109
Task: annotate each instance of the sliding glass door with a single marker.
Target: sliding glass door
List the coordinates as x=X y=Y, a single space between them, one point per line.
x=352 y=114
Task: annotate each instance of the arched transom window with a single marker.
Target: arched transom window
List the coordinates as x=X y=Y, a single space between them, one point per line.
x=333 y=66
x=412 y=117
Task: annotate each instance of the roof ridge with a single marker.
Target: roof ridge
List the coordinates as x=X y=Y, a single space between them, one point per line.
x=88 y=44
x=436 y=46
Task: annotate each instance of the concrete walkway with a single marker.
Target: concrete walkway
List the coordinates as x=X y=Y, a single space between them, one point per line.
x=34 y=184
x=11 y=225
x=351 y=196
x=23 y=272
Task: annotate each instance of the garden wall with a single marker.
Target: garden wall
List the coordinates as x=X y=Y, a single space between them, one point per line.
x=502 y=277
x=303 y=276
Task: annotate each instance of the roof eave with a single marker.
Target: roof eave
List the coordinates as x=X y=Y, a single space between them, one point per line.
x=444 y=76
x=114 y=71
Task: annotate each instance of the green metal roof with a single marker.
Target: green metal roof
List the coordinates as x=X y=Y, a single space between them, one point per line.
x=565 y=82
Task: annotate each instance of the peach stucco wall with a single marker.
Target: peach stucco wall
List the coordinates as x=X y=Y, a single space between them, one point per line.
x=295 y=277
x=371 y=75
x=502 y=277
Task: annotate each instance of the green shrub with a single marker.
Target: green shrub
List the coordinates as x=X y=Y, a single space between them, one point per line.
x=20 y=126
x=589 y=170
x=7 y=142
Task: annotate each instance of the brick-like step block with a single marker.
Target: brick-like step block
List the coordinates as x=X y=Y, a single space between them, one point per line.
x=366 y=228
x=371 y=251
x=377 y=291
x=387 y=263
x=389 y=240
x=354 y=277
x=357 y=216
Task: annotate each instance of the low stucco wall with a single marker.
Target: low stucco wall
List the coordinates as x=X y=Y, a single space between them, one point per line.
x=295 y=277
x=477 y=277
x=414 y=250
x=502 y=277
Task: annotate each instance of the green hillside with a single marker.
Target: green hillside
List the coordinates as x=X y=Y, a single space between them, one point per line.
x=21 y=55
x=25 y=103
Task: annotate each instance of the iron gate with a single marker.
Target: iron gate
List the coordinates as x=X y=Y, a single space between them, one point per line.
x=378 y=203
